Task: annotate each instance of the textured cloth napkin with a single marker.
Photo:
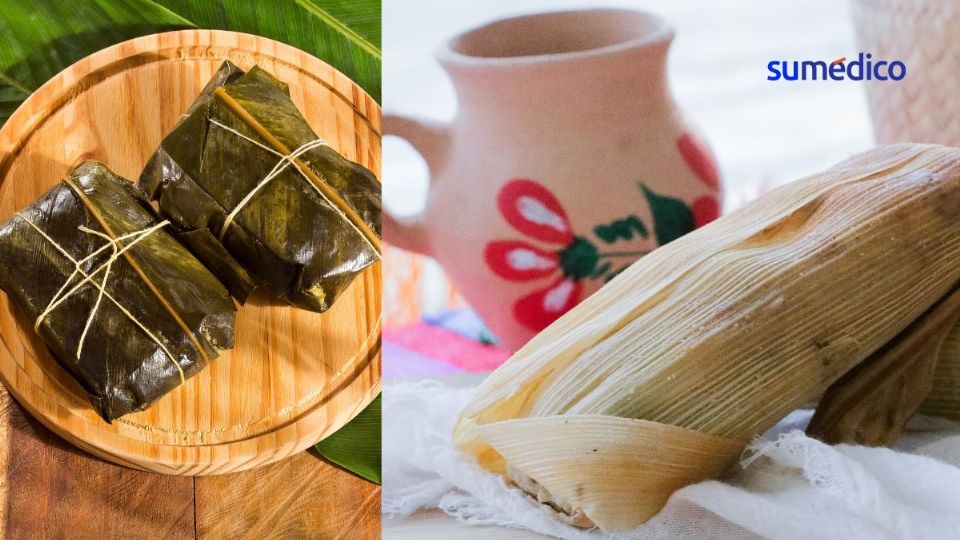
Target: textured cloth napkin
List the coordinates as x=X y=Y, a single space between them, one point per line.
x=787 y=485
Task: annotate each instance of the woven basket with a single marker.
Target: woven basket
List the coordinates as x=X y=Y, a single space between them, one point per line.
x=925 y=35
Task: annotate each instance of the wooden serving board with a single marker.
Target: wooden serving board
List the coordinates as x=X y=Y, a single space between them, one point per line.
x=83 y=497
x=294 y=376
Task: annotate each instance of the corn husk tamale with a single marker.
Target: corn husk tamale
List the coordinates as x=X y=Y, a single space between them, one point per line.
x=244 y=177
x=123 y=307
x=659 y=379
x=944 y=397
x=917 y=371
x=871 y=404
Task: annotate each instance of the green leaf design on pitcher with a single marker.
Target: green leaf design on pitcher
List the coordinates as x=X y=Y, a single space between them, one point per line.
x=621 y=229
x=579 y=259
x=672 y=218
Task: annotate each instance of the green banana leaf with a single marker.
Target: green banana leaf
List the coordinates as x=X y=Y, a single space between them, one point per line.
x=42 y=37
x=356 y=446
x=345 y=34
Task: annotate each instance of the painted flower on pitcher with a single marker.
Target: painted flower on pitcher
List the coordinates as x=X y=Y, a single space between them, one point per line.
x=566 y=258
x=570 y=258
x=533 y=211
x=701 y=162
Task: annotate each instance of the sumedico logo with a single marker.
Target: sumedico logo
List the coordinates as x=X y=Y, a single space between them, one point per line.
x=863 y=68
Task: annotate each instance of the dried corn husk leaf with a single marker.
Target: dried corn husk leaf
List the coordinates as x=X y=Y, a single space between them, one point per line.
x=944 y=397
x=871 y=403
x=724 y=331
x=604 y=468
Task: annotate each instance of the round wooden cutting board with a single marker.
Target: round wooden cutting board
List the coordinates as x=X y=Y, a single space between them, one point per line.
x=294 y=376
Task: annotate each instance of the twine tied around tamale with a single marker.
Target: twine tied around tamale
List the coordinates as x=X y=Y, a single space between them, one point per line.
x=285 y=162
x=114 y=245
x=288 y=157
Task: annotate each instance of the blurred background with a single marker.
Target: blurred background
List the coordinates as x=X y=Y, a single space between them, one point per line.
x=763 y=133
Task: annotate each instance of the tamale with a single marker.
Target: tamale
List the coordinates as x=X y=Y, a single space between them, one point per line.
x=659 y=379
x=245 y=170
x=872 y=403
x=944 y=397
x=123 y=307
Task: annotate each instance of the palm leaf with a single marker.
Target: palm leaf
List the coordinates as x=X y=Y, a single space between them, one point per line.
x=42 y=37
x=356 y=446
x=345 y=34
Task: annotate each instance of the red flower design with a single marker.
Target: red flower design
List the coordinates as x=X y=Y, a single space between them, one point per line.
x=699 y=159
x=539 y=309
x=532 y=210
x=517 y=260
x=705 y=210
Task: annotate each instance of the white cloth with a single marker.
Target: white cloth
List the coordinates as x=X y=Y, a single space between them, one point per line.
x=787 y=486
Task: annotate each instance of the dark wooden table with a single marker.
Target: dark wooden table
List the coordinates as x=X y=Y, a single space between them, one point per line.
x=54 y=490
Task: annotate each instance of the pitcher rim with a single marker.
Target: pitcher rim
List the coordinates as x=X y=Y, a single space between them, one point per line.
x=660 y=32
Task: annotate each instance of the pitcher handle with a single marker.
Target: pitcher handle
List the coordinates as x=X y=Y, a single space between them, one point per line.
x=429 y=139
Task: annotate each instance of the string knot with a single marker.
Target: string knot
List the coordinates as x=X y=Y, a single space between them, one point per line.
x=281 y=166
x=116 y=248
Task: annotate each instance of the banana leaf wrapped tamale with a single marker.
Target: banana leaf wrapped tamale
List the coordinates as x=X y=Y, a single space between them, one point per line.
x=123 y=307
x=660 y=378
x=244 y=169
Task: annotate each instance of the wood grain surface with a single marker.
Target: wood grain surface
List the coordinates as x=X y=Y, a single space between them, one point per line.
x=53 y=490
x=258 y=504
x=436 y=525
x=293 y=376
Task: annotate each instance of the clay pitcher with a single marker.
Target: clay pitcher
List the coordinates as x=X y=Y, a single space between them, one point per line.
x=567 y=161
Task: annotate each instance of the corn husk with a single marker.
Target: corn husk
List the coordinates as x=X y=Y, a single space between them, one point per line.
x=871 y=404
x=659 y=379
x=944 y=397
